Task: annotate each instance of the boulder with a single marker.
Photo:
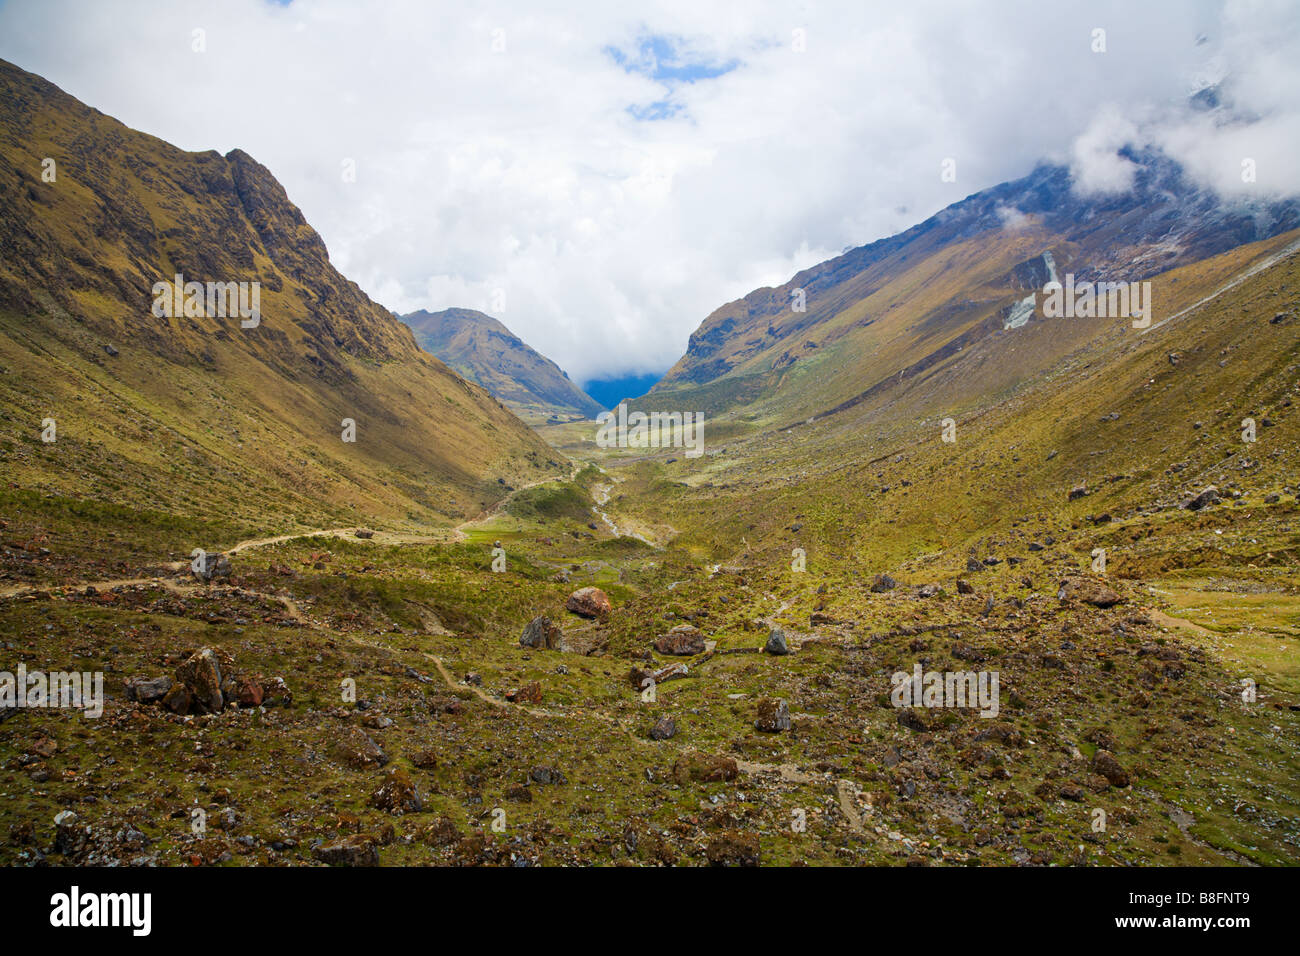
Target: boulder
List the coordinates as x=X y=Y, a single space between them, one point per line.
x=589 y=602
x=682 y=641
x=358 y=750
x=773 y=715
x=398 y=793
x=541 y=633
x=1087 y=590
x=664 y=729
x=146 y=690
x=776 y=642
x=1105 y=764
x=883 y=583
x=178 y=699
x=201 y=673
x=357 y=849
x=530 y=693
x=1201 y=499
x=215 y=565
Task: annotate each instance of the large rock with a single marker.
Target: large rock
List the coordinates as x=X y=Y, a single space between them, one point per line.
x=398 y=793
x=542 y=633
x=1202 y=499
x=202 y=675
x=146 y=690
x=1104 y=763
x=776 y=642
x=1087 y=590
x=589 y=602
x=358 y=849
x=664 y=728
x=356 y=749
x=178 y=699
x=682 y=641
x=773 y=715
x=215 y=565
x=883 y=583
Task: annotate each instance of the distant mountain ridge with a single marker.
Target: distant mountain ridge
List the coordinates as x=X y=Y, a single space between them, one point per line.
x=911 y=303
x=485 y=351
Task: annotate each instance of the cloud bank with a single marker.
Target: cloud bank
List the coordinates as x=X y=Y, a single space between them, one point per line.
x=600 y=179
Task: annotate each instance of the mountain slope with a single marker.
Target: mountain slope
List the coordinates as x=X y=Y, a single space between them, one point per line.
x=912 y=303
x=201 y=416
x=486 y=352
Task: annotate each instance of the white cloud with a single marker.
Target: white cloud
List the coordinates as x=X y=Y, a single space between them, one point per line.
x=612 y=238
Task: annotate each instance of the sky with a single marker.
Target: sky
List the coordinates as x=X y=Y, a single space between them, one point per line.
x=601 y=176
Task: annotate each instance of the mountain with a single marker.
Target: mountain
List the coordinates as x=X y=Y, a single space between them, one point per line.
x=486 y=352
x=230 y=421
x=915 y=303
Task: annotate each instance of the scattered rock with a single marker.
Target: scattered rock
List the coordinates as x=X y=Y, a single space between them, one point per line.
x=664 y=729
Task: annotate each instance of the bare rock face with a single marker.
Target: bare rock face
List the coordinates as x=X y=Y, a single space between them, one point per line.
x=773 y=715
x=542 y=633
x=682 y=641
x=590 y=603
x=201 y=674
x=1087 y=590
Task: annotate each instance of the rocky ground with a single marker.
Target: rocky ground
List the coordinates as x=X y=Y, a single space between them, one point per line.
x=372 y=699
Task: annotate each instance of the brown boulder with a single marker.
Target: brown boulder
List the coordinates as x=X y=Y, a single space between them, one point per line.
x=682 y=641
x=1105 y=764
x=398 y=793
x=589 y=602
x=1087 y=590
x=201 y=673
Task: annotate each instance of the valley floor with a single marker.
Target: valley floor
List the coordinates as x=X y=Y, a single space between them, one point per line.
x=1122 y=735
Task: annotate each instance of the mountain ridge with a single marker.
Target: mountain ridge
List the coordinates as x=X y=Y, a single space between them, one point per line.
x=485 y=351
